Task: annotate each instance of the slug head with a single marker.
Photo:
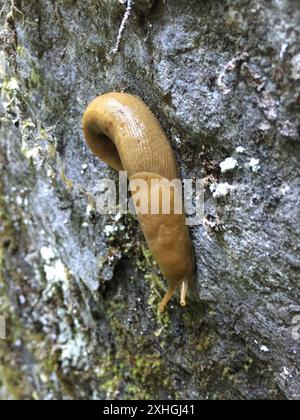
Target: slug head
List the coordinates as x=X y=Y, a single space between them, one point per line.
x=167 y=235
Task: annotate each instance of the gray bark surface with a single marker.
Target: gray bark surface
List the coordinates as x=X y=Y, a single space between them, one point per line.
x=79 y=290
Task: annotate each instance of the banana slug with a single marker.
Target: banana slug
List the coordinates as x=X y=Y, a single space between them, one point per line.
x=122 y=131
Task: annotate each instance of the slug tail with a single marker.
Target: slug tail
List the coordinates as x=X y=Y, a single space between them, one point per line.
x=167 y=297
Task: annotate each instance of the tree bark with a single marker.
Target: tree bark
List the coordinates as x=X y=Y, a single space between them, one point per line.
x=79 y=291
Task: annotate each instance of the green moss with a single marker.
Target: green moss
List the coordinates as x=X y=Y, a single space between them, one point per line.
x=136 y=368
x=21 y=51
x=157 y=291
x=35 y=78
x=12 y=381
x=204 y=343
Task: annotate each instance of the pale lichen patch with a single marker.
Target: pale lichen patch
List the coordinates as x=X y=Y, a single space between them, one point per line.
x=228 y=164
x=254 y=164
x=222 y=189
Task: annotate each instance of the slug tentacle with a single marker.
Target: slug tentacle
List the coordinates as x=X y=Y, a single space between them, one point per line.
x=122 y=131
x=167 y=297
x=183 y=291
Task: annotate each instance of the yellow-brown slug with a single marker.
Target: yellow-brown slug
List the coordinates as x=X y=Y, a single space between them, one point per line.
x=122 y=131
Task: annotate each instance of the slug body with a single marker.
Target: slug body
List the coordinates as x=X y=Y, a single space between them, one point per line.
x=122 y=131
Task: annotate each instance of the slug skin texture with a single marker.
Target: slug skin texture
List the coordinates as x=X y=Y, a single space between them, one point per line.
x=122 y=131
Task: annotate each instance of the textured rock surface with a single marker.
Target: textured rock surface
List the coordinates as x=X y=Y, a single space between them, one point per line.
x=80 y=298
